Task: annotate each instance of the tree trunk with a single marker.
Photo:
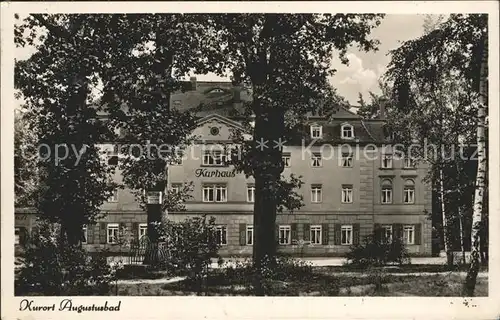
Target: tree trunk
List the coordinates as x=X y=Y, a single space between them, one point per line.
x=269 y=127
x=71 y=223
x=462 y=235
x=162 y=69
x=470 y=281
x=154 y=216
x=448 y=248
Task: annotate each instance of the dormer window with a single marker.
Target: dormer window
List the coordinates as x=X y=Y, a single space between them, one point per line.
x=316 y=132
x=216 y=90
x=347 y=131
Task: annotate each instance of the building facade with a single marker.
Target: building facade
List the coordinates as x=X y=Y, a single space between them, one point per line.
x=352 y=184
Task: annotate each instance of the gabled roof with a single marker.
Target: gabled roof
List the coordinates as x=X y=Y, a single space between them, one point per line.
x=227 y=105
x=362 y=134
x=219 y=118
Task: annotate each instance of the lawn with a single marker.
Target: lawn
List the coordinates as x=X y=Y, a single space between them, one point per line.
x=320 y=282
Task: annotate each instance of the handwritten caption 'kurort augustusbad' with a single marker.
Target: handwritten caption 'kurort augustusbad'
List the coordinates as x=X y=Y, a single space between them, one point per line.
x=68 y=305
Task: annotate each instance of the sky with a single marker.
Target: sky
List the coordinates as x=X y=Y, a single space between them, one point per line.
x=365 y=68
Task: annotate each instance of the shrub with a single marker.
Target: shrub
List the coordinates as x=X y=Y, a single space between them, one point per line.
x=190 y=245
x=273 y=276
x=379 y=279
x=53 y=267
x=376 y=252
x=288 y=268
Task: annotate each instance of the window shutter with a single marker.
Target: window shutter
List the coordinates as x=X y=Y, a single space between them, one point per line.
x=102 y=233
x=307 y=232
x=294 y=233
x=355 y=233
x=337 y=234
x=243 y=236
x=122 y=227
x=324 y=233
x=397 y=230
x=377 y=232
x=277 y=235
x=418 y=233
x=23 y=235
x=135 y=231
x=90 y=234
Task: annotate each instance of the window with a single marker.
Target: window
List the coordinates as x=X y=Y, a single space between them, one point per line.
x=143 y=230
x=409 y=191
x=387 y=191
x=176 y=187
x=409 y=163
x=409 y=234
x=387 y=161
x=316 y=160
x=114 y=196
x=284 y=234
x=286 y=160
x=112 y=233
x=316 y=193
x=221 y=235
x=214 y=131
x=346 y=235
x=112 y=153
x=17 y=235
x=347 y=194
x=249 y=235
x=347 y=131
x=216 y=90
x=315 y=234
x=216 y=158
x=214 y=193
x=316 y=132
x=250 y=193
x=346 y=160
x=387 y=233
x=84 y=235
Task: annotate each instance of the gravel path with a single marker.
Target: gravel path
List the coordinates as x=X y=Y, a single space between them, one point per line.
x=357 y=274
x=152 y=281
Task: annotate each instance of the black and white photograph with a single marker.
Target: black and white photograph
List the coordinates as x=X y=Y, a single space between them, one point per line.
x=325 y=154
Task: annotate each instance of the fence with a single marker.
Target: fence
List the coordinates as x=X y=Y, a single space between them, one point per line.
x=139 y=249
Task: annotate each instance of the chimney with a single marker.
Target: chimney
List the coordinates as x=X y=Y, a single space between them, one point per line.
x=193 y=83
x=382 y=104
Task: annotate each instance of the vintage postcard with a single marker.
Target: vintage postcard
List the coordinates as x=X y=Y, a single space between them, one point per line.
x=241 y=160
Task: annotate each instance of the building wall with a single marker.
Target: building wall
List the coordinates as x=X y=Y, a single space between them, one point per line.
x=365 y=176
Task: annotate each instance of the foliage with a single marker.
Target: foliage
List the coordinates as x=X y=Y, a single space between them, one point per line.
x=285 y=58
x=274 y=272
x=371 y=109
x=57 y=84
x=154 y=55
x=378 y=278
x=25 y=172
x=434 y=83
x=190 y=245
x=374 y=251
x=51 y=266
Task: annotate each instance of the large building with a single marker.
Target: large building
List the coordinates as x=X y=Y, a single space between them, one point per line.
x=352 y=184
